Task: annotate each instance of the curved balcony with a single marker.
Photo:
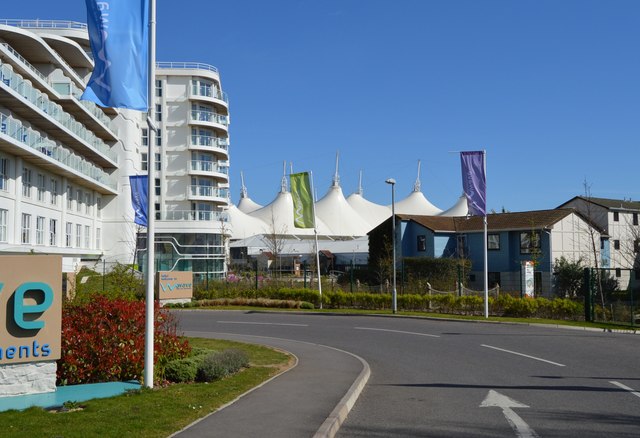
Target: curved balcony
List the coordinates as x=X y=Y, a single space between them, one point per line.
x=209 y=119
x=209 y=94
x=190 y=215
x=210 y=144
x=219 y=195
x=209 y=168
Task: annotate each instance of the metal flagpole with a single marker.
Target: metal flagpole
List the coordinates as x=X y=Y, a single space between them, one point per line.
x=315 y=233
x=486 y=263
x=151 y=217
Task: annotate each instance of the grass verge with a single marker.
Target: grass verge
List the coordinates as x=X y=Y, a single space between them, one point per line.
x=154 y=412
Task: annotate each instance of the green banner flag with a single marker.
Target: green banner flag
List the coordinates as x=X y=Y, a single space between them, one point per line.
x=302 y=200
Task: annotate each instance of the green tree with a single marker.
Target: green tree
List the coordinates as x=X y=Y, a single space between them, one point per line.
x=568 y=277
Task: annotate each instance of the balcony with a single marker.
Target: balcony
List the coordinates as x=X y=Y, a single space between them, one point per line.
x=211 y=144
x=210 y=119
x=209 y=168
x=190 y=215
x=208 y=193
x=209 y=93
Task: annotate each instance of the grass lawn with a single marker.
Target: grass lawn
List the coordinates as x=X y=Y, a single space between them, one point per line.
x=154 y=412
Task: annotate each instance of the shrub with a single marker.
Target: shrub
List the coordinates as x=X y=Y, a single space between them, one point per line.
x=221 y=364
x=103 y=340
x=182 y=370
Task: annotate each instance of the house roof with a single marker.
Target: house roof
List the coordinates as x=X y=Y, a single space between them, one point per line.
x=525 y=220
x=612 y=204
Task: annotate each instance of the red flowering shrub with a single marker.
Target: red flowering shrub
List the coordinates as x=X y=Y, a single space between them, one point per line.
x=103 y=340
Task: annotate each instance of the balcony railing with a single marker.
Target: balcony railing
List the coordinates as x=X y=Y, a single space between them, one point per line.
x=214 y=142
x=212 y=92
x=27 y=136
x=17 y=83
x=209 y=166
x=208 y=191
x=210 y=117
x=190 y=215
x=187 y=65
x=26 y=63
x=45 y=24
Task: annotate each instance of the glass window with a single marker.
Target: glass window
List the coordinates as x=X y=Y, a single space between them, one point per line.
x=159 y=137
x=39 y=230
x=616 y=244
x=26 y=182
x=493 y=241
x=41 y=187
x=157 y=186
x=4 y=175
x=87 y=236
x=529 y=242
x=78 y=201
x=422 y=242
x=144 y=161
x=53 y=226
x=99 y=207
x=618 y=272
x=26 y=228
x=616 y=216
x=493 y=279
x=3 y=225
x=68 y=237
x=54 y=191
x=78 y=235
x=69 y=197
x=145 y=137
x=98 y=238
x=158 y=163
x=158 y=88
x=635 y=218
x=158 y=113
x=87 y=203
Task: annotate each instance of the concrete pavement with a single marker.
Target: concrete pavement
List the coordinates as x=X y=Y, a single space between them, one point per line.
x=312 y=399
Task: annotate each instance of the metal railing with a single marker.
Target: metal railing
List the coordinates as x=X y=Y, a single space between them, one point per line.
x=187 y=65
x=214 y=142
x=209 y=166
x=209 y=117
x=190 y=215
x=45 y=24
x=208 y=191
x=213 y=92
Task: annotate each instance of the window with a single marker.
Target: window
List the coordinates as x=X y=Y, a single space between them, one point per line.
x=68 y=236
x=41 y=187
x=26 y=182
x=422 y=242
x=144 y=164
x=157 y=186
x=53 y=226
x=158 y=113
x=98 y=238
x=87 y=236
x=158 y=88
x=159 y=137
x=69 y=197
x=99 y=207
x=158 y=162
x=78 y=201
x=78 y=235
x=616 y=216
x=156 y=207
x=493 y=242
x=493 y=279
x=145 y=137
x=618 y=272
x=529 y=242
x=26 y=228
x=616 y=244
x=3 y=225
x=4 y=176
x=39 y=230
x=87 y=203
x=635 y=218
x=54 y=191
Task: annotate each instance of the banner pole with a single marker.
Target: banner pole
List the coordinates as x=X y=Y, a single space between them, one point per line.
x=151 y=217
x=315 y=233
x=486 y=252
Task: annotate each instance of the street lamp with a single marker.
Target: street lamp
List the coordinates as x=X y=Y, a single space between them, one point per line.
x=394 y=298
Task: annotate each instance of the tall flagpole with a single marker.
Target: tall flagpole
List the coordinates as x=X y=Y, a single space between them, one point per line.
x=486 y=263
x=151 y=217
x=315 y=233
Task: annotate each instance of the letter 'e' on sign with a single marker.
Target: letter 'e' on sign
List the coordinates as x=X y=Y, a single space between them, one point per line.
x=30 y=308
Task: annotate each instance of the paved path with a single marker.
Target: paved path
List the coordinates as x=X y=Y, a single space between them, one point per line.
x=310 y=399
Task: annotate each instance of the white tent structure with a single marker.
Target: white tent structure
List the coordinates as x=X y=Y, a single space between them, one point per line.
x=374 y=214
x=460 y=208
x=246 y=204
x=243 y=225
x=416 y=203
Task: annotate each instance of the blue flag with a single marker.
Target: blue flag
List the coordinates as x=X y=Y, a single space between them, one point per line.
x=474 y=182
x=119 y=37
x=140 y=198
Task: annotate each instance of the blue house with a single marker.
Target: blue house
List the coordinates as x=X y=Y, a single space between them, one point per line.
x=539 y=236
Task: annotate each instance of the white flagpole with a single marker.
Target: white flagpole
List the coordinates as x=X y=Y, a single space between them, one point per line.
x=486 y=263
x=151 y=166
x=315 y=233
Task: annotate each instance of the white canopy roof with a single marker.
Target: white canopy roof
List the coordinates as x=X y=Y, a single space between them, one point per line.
x=334 y=210
x=243 y=225
x=460 y=208
x=247 y=205
x=417 y=204
x=374 y=214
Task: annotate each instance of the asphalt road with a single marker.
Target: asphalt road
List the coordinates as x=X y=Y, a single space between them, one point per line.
x=432 y=378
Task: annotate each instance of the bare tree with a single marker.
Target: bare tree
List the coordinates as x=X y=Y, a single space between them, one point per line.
x=595 y=244
x=275 y=239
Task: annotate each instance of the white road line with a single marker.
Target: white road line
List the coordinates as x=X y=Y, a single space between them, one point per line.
x=524 y=355
x=625 y=387
x=396 y=331
x=261 y=323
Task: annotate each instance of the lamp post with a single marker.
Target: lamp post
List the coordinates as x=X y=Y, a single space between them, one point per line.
x=394 y=297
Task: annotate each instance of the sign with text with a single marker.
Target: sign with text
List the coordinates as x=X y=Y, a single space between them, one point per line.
x=30 y=308
x=175 y=284
x=528 y=279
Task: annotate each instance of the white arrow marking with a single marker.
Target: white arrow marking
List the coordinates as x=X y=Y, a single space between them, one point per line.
x=625 y=387
x=495 y=399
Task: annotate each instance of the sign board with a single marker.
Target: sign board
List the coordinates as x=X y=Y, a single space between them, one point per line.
x=30 y=308
x=528 y=289
x=175 y=284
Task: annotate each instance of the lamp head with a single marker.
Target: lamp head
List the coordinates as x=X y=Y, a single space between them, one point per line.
x=391 y=181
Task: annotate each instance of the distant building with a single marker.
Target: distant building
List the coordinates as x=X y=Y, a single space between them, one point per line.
x=620 y=245
x=538 y=236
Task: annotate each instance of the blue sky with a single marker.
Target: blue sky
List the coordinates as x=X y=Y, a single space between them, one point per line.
x=550 y=88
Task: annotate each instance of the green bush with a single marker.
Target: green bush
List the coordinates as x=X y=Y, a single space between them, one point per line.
x=221 y=364
x=182 y=370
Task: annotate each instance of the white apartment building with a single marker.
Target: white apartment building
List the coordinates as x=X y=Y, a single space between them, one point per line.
x=64 y=162
x=192 y=170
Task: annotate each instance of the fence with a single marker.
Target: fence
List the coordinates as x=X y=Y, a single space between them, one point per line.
x=605 y=303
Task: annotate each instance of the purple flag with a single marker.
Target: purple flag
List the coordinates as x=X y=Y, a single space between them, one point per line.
x=139 y=198
x=474 y=182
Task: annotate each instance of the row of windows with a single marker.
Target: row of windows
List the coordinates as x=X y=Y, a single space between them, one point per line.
x=616 y=217
x=529 y=242
x=81 y=238
x=145 y=137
